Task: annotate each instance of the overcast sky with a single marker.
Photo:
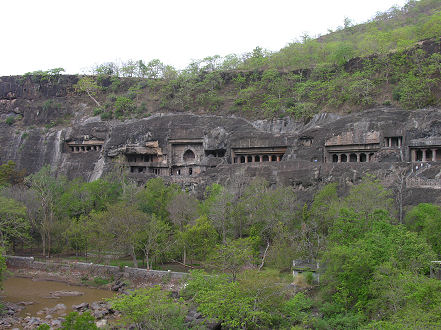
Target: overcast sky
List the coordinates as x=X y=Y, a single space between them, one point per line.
x=77 y=34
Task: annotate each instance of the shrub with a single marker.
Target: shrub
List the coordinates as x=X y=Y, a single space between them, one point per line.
x=309 y=277
x=51 y=104
x=97 y=111
x=415 y=91
x=76 y=321
x=10 y=120
x=297 y=306
x=106 y=116
x=100 y=281
x=123 y=105
x=150 y=308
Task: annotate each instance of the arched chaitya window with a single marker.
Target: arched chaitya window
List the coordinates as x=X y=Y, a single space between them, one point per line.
x=334 y=158
x=362 y=158
x=189 y=155
x=353 y=158
x=344 y=158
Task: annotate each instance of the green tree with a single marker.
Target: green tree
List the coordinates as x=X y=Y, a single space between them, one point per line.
x=124 y=105
x=2 y=267
x=312 y=236
x=150 y=308
x=199 y=239
x=155 y=197
x=182 y=209
x=221 y=211
x=89 y=86
x=233 y=256
x=368 y=196
x=9 y=175
x=255 y=300
x=425 y=219
x=14 y=224
x=351 y=263
x=124 y=222
x=78 y=235
x=80 y=198
x=153 y=239
x=48 y=190
x=266 y=208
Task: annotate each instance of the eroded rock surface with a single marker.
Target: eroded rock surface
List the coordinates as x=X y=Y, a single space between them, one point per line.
x=398 y=146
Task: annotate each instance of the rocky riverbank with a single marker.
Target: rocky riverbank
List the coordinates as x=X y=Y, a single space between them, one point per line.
x=16 y=315
x=55 y=316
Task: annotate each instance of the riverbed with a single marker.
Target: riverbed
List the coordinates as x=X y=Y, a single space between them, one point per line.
x=17 y=289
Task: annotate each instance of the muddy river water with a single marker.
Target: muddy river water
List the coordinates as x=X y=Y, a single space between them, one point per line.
x=16 y=289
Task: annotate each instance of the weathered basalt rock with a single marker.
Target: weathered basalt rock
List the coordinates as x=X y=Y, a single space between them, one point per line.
x=196 y=150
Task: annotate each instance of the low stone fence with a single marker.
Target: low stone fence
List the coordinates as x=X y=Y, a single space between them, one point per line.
x=94 y=269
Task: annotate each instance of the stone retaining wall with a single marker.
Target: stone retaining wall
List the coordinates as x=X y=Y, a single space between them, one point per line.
x=94 y=269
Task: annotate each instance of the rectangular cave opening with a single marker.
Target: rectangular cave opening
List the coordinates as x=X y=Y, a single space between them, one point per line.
x=215 y=153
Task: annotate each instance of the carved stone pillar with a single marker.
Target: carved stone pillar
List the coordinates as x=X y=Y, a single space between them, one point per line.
x=413 y=155
x=424 y=155
x=433 y=155
x=390 y=142
x=358 y=157
x=338 y=158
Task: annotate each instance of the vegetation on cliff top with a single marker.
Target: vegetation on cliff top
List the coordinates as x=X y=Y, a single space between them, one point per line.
x=379 y=63
x=302 y=79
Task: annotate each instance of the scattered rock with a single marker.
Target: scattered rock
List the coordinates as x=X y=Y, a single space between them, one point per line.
x=59 y=294
x=80 y=307
x=119 y=285
x=101 y=323
x=95 y=305
x=56 y=323
x=25 y=303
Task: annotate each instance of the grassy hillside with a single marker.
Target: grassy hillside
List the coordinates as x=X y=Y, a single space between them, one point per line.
x=382 y=62
x=395 y=29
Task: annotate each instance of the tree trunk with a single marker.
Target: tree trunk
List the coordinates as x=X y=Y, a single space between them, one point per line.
x=90 y=95
x=132 y=252
x=48 y=245
x=184 y=258
x=147 y=260
x=264 y=256
x=3 y=241
x=43 y=242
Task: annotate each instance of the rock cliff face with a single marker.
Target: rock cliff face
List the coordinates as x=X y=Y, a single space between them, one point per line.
x=51 y=125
